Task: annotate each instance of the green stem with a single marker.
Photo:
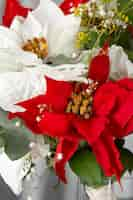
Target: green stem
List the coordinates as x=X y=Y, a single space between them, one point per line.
x=96 y=45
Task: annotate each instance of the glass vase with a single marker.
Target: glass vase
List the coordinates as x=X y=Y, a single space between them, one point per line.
x=102 y=193
x=125 y=192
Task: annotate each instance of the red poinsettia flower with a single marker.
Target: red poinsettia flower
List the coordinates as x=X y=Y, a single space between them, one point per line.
x=12 y=9
x=62 y=113
x=67 y=5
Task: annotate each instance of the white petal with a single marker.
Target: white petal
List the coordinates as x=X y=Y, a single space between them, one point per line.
x=16 y=60
x=46 y=31
x=31 y=28
x=19 y=86
x=16 y=25
x=59 y=30
x=121 y=66
x=9 y=38
x=48 y=11
x=63 y=35
x=10 y=172
x=67 y=72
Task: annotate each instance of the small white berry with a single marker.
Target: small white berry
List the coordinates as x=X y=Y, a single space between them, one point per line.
x=33 y=170
x=74 y=55
x=18 y=123
x=90 y=81
x=49 y=154
x=28 y=177
x=59 y=156
x=32 y=144
x=38 y=118
x=29 y=198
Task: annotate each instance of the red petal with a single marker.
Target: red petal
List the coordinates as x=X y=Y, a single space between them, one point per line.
x=108 y=97
x=33 y=102
x=100 y=67
x=117 y=131
x=29 y=116
x=58 y=93
x=58 y=126
x=104 y=103
x=107 y=155
x=129 y=128
x=126 y=84
x=55 y=99
x=12 y=9
x=55 y=125
x=67 y=149
x=125 y=112
x=29 y=119
x=91 y=129
x=67 y=5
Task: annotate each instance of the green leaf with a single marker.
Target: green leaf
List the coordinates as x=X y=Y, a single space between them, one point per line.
x=2 y=142
x=16 y=146
x=7 y=124
x=127 y=159
x=130 y=54
x=103 y=38
x=16 y=139
x=124 y=39
x=106 y=1
x=85 y=166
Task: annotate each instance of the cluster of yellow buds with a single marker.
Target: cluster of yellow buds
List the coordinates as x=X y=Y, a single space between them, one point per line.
x=123 y=17
x=81 y=101
x=81 y=39
x=38 y=46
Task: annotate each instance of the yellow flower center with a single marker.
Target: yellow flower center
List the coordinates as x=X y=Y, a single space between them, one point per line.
x=38 y=46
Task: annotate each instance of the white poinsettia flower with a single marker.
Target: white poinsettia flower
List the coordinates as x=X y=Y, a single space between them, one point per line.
x=19 y=86
x=13 y=172
x=46 y=32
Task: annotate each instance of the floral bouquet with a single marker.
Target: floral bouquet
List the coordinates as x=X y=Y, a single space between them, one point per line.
x=66 y=87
